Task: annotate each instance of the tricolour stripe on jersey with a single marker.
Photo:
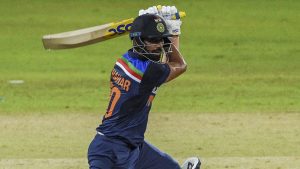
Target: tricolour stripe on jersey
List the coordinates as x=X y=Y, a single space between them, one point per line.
x=132 y=67
x=132 y=74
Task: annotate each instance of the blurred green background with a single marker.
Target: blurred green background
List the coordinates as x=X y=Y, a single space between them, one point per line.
x=242 y=56
x=239 y=98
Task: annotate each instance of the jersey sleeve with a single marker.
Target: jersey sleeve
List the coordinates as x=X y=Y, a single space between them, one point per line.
x=154 y=76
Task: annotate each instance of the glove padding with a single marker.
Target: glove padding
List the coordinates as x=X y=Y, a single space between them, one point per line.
x=150 y=10
x=167 y=13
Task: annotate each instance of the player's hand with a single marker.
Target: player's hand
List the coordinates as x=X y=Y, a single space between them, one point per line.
x=150 y=10
x=173 y=25
x=167 y=13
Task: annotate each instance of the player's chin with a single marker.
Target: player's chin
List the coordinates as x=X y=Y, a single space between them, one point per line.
x=154 y=56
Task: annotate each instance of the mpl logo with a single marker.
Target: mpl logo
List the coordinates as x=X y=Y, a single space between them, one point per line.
x=120 y=29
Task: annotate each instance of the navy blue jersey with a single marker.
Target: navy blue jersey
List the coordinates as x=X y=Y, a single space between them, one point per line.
x=133 y=87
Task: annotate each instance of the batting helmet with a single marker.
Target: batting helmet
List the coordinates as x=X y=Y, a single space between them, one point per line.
x=151 y=28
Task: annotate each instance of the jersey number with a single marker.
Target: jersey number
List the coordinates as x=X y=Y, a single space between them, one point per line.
x=115 y=95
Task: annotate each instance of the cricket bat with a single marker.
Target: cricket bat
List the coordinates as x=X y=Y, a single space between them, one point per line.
x=91 y=35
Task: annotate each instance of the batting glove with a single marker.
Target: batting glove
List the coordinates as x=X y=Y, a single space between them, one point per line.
x=167 y=13
x=150 y=10
x=173 y=25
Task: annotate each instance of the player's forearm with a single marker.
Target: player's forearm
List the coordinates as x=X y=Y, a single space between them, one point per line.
x=175 y=57
x=176 y=62
x=175 y=41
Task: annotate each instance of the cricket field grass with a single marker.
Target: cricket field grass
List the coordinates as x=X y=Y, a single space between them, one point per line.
x=237 y=106
x=222 y=140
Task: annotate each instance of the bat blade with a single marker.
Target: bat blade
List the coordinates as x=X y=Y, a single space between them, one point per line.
x=87 y=36
x=91 y=35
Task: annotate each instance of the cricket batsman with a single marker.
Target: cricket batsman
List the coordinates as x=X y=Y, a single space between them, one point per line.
x=153 y=60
